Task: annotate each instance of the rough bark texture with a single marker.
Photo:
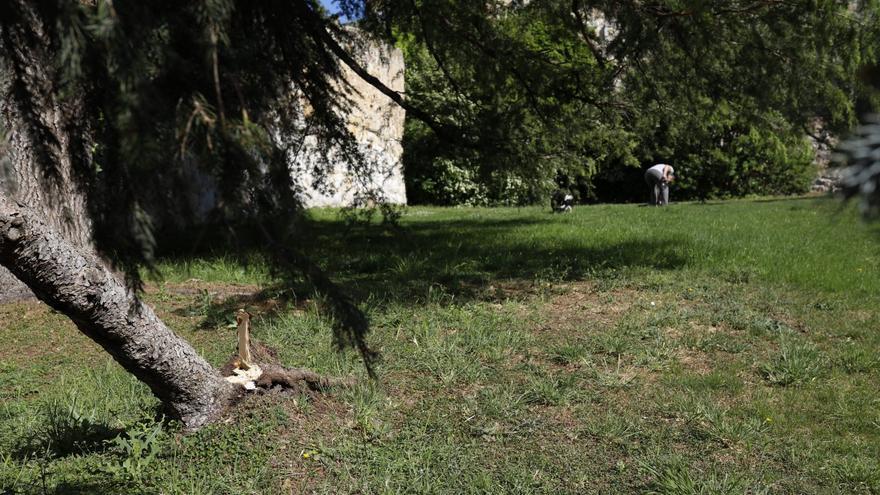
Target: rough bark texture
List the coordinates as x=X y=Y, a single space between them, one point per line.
x=48 y=137
x=293 y=378
x=75 y=282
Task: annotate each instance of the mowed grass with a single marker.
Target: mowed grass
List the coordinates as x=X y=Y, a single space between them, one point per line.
x=728 y=347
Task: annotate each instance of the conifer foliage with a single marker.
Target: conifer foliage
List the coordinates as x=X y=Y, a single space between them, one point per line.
x=124 y=113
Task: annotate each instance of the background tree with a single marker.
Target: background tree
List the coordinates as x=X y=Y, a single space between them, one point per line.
x=725 y=90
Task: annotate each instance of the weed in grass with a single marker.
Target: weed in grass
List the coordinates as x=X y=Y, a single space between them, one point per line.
x=716 y=380
x=557 y=272
x=854 y=358
x=740 y=318
x=725 y=428
x=239 y=456
x=796 y=363
x=437 y=295
x=162 y=294
x=367 y=401
x=67 y=428
x=222 y=268
x=721 y=342
x=491 y=338
x=733 y=317
x=656 y=355
x=739 y=275
x=677 y=478
x=449 y=365
x=615 y=428
x=662 y=316
x=850 y=410
x=613 y=344
x=138 y=449
x=855 y=474
x=550 y=390
x=762 y=325
x=303 y=403
x=13 y=473
x=569 y=354
x=497 y=402
x=408 y=266
x=826 y=305
x=615 y=378
x=494 y=431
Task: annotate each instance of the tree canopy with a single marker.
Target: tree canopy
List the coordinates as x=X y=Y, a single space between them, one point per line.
x=727 y=90
x=501 y=96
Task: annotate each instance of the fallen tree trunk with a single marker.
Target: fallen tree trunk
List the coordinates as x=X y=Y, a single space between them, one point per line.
x=75 y=281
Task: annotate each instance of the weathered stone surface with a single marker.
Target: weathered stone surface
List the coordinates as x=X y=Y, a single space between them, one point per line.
x=828 y=181
x=377 y=124
x=823 y=143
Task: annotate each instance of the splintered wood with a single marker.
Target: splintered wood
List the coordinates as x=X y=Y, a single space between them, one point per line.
x=242 y=370
x=245 y=372
x=244 y=338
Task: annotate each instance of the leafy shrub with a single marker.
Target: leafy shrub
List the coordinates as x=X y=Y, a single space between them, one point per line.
x=138 y=449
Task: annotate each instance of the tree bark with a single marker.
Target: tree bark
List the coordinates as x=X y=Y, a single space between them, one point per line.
x=74 y=281
x=48 y=137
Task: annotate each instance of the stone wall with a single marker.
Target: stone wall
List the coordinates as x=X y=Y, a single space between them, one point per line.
x=377 y=123
x=823 y=142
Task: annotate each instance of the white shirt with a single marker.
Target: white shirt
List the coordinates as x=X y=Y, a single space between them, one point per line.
x=660 y=167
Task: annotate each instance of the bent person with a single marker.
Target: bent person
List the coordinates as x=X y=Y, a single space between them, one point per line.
x=658 y=177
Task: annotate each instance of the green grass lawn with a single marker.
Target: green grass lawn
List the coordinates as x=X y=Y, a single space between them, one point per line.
x=727 y=347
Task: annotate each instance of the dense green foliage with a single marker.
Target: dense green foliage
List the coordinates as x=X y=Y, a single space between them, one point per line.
x=860 y=154
x=725 y=91
x=718 y=348
x=509 y=98
x=175 y=92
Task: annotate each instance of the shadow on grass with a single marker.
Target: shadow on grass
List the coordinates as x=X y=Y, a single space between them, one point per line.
x=64 y=435
x=219 y=309
x=816 y=198
x=464 y=256
x=459 y=258
x=442 y=261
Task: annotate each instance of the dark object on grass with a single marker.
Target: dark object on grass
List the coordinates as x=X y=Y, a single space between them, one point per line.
x=561 y=201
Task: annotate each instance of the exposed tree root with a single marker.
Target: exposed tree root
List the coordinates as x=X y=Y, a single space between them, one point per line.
x=279 y=378
x=255 y=367
x=295 y=378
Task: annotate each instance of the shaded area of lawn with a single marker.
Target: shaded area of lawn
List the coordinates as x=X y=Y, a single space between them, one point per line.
x=809 y=242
